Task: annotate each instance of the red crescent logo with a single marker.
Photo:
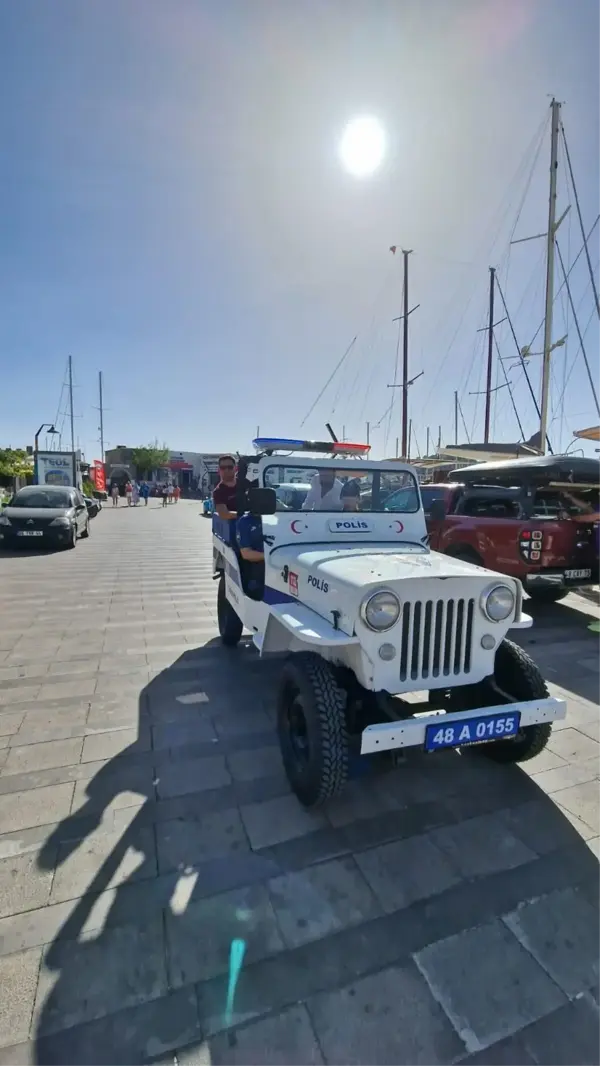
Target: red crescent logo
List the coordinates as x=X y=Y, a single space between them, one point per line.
x=399 y=526
x=294 y=524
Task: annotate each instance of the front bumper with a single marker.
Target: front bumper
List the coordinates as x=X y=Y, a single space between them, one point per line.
x=410 y=733
x=561 y=579
x=54 y=537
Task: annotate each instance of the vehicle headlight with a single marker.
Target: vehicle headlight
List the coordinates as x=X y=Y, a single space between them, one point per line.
x=498 y=603
x=61 y=521
x=4 y=521
x=380 y=611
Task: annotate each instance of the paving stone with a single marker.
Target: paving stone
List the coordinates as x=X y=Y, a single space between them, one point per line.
x=119 y=784
x=509 y=1052
x=320 y=900
x=194 y=775
x=119 y=742
x=406 y=870
x=561 y=931
x=568 y=1036
x=279 y=819
x=541 y=825
x=118 y=969
x=102 y=860
x=284 y=1038
x=32 y=757
x=552 y=781
x=186 y=842
x=18 y=980
x=481 y=845
x=23 y=885
x=10 y=723
x=583 y=801
x=23 y=694
x=200 y=935
x=574 y=746
x=362 y=798
x=239 y=720
x=504 y=991
x=388 y=1017
x=258 y=762
x=80 y=687
x=182 y=734
x=20 y=810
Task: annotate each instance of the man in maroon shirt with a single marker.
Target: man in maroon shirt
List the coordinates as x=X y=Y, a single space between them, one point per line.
x=225 y=494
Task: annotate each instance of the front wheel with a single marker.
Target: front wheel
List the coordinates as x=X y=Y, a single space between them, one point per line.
x=518 y=677
x=311 y=722
x=547 y=595
x=72 y=539
x=86 y=531
x=230 y=626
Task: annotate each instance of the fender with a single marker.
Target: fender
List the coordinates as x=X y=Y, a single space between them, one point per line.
x=290 y=622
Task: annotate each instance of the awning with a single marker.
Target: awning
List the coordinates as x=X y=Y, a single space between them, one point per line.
x=593 y=433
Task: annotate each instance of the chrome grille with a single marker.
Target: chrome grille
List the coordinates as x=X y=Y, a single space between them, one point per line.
x=436 y=639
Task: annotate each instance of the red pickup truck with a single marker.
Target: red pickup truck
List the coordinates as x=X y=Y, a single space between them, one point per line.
x=535 y=519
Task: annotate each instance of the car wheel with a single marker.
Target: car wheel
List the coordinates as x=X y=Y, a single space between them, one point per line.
x=311 y=722
x=230 y=626
x=86 y=531
x=547 y=595
x=516 y=677
x=73 y=539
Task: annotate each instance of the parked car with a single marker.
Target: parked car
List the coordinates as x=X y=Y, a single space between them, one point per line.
x=93 y=505
x=48 y=515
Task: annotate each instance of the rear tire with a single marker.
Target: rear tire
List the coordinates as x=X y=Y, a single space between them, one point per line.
x=517 y=674
x=230 y=626
x=86 y=532
x=311 y=722
x=547 y=595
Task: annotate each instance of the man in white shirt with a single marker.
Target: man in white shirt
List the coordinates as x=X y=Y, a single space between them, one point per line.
x=324 y=493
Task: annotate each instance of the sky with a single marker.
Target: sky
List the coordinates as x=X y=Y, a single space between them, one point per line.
x=175 y=214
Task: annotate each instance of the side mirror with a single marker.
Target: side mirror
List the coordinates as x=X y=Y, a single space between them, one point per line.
x=262 y=501
x=437 y=510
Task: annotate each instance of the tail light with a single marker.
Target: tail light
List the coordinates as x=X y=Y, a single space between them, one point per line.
x=531 y=545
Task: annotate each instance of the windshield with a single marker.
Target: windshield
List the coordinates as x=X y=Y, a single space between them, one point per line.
x=338 y=489
x=41 y=498
x=577 y=501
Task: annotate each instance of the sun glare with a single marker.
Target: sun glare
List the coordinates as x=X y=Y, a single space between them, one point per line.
x=362 y=147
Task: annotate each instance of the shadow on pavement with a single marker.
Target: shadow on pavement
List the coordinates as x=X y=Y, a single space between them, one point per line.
x=170 y=880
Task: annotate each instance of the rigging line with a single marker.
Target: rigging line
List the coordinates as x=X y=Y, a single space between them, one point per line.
x=522 y=361
x=400 y=325
x=587 y=326
x=560 y=288
x=509 y=386
x=505 y=268
x=460 y=411
x=329 y=380
x=565 y=311
x=503 y=212
x=579 y=216
x=576 y=320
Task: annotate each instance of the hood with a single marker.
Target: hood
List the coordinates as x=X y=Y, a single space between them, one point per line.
x=37 y=512
x=334 y=579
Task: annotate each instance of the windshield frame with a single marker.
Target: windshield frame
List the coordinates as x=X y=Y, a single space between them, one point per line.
x=351 y=468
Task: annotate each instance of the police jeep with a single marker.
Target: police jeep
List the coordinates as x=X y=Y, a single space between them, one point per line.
x=367 y=616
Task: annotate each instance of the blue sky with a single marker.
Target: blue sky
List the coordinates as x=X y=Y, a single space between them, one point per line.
x=175 y=214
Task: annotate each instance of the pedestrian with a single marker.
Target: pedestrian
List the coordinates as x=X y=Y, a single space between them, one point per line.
x=145 y=492
x=135 y=494
x=177 y=493
x=165 y=495
x=129 y=492
x=114 y=491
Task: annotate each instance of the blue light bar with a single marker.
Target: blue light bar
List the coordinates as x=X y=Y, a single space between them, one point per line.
x=274 y=444
x=261 y=443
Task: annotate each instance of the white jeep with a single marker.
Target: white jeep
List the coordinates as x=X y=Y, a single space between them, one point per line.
x=368 y=615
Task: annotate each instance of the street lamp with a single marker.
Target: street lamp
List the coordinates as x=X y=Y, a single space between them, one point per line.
x=51 y=430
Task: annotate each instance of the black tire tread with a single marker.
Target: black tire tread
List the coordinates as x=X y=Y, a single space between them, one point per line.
x=330 y=705
x=230 y=625
x=529 y=685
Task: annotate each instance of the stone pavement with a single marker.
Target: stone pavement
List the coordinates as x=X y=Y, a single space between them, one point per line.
x=443 y=912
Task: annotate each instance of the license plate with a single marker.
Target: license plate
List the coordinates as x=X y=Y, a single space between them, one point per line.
x=577 y=575
x=471 y=731
x=30 y=533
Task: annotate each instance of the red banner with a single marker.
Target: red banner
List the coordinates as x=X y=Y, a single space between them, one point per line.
x=98 y=476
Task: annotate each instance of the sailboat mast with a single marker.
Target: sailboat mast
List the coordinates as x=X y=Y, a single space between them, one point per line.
x=490 y=361
x=550 y=238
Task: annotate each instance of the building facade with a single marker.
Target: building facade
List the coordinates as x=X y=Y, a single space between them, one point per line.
x=193 y=471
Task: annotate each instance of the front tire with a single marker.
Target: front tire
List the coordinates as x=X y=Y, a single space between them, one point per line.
x=547 y=595
x=86 y=532
x=230 y=626
x=311 y=722
x=73 y=539
x=516 y=674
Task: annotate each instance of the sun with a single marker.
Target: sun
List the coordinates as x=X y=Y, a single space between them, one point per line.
x=362 y=147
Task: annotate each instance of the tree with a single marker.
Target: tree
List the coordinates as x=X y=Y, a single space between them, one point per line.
x=150 y=457
x=15 y=462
